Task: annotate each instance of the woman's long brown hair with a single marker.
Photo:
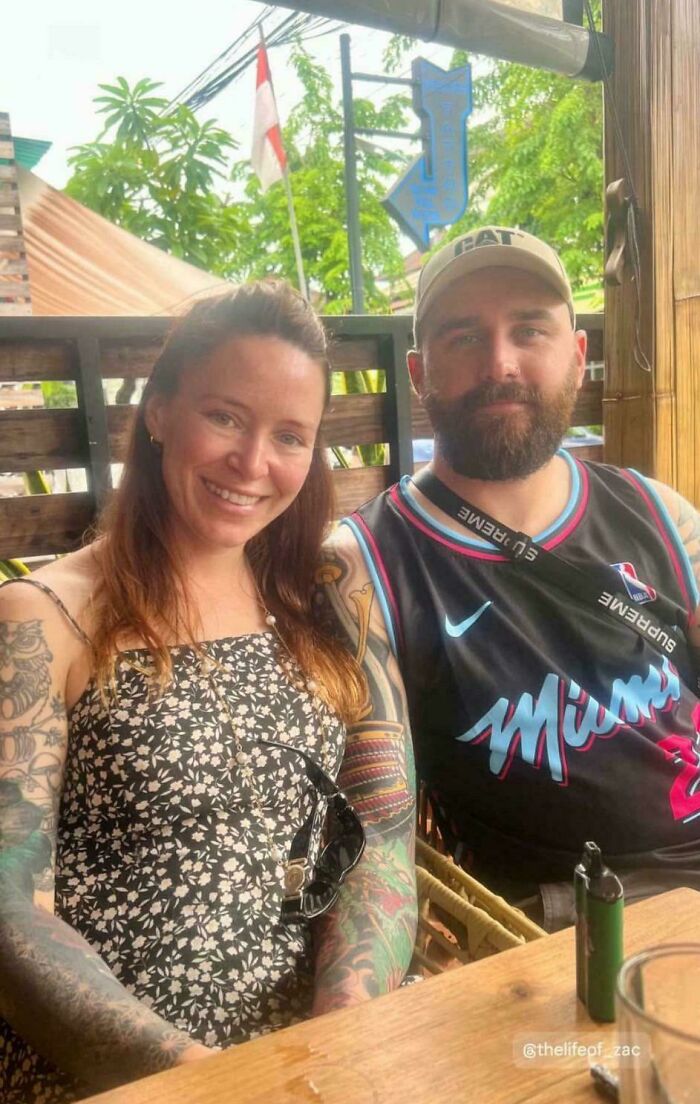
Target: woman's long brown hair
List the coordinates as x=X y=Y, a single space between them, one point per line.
x=142 y=591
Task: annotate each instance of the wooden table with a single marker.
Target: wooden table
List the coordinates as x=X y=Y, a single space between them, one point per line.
x=444 y=1041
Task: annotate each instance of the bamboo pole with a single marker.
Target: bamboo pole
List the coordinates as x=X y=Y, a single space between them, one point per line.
x=650 y=418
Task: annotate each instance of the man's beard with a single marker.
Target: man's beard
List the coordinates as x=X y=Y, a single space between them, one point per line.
x=504 y=446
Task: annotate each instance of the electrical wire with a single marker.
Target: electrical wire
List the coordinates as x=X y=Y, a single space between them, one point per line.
x=240 y=55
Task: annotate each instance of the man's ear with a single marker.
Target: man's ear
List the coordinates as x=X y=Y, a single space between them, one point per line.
x=581 y=345
x=154 y=415
x=416 y=370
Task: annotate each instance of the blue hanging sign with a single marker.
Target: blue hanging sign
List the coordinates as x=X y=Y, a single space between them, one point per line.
x=434 y=189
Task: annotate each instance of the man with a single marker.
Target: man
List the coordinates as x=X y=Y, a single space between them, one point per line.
x=550 y=704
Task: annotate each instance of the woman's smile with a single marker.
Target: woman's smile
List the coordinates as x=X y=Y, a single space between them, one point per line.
x=231 y=497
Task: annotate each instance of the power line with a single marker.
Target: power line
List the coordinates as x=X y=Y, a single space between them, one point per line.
x=241 y=53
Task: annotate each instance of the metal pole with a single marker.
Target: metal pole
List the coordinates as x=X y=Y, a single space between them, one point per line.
x=290 y=202
x=295 y=237
x=351 y=192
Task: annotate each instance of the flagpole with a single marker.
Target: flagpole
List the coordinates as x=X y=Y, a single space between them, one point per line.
x=290 y=205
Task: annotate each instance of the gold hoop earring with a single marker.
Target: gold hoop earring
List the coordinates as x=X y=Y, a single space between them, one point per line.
x=155 y=444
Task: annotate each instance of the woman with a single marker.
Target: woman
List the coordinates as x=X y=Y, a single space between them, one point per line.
x=165 y=704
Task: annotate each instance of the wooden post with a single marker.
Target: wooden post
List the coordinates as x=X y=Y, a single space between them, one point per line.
x=650 y=420
x=15 y=297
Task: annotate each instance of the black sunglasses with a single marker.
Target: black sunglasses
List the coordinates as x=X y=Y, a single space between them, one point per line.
x=305 y=898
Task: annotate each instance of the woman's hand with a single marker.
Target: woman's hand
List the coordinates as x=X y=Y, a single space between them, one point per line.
x=196 y=1052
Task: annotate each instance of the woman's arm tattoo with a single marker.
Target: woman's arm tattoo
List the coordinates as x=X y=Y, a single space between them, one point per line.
x=55 y=990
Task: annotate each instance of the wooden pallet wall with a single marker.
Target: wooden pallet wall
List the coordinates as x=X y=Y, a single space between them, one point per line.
x=92 y=435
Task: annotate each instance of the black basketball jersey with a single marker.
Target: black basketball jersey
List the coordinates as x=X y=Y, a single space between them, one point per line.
x=538 y=722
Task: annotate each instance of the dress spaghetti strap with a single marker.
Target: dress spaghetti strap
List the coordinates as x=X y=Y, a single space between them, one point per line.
x=56 y=601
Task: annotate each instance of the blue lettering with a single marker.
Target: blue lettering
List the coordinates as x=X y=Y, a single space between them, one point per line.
x=529 y=722
x=526 y=727
x=635 y=700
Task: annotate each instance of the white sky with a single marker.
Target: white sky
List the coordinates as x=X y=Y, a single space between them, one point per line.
x=58 y=51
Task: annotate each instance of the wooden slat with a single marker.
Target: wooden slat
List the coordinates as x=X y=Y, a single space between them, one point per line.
x=24 y=361
x=7 y=149
x=10 y=222
x=9 y=195
x=128 y=359
x=8 y=172
x=17 y=310
x=356 y=420
x=13 y=289
x=40 y=525
x=11 y=243
x=11 y=398
x=119 y=421
x=131 y=359
x=41 y=439
x=354 y=354
x=353 y=486
x=15 y=267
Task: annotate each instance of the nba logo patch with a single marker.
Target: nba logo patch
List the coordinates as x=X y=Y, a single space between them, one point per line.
x=637 y=590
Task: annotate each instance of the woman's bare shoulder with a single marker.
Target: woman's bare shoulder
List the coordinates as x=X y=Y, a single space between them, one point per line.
x=72 y=580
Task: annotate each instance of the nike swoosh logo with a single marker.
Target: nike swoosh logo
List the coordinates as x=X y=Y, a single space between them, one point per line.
x=459 y=630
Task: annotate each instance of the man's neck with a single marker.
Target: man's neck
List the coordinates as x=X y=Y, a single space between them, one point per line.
x=527 y=505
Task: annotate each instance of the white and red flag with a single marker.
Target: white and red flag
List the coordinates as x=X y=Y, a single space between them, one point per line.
x=268 y=157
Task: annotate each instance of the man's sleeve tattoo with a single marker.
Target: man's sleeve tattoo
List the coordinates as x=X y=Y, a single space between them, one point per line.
x=365 y=944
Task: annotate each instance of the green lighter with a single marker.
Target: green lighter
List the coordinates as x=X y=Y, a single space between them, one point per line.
x=581 y=872
x=604 y=951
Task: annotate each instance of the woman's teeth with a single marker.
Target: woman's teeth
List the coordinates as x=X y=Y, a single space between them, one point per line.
x=231 y=496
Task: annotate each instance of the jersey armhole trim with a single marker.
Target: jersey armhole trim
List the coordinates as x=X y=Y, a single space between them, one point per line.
x=378 y=575
x=678 y=554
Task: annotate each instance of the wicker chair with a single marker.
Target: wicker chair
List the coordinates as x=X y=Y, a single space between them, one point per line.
x=459 y=920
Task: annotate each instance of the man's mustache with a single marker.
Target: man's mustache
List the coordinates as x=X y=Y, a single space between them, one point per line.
x=485 y=394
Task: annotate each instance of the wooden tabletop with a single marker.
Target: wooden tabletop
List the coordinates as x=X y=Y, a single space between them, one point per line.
x=442 y=1041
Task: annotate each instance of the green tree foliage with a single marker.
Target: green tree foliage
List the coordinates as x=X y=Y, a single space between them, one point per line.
x=313 y=138
x=536 y=161
x=535 y=156
x=155 y=172
x=163 y=176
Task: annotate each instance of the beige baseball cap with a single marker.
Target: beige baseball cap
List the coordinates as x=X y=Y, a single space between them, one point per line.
x=487 y=247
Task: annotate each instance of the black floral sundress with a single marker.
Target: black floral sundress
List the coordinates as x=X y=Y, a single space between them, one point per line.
x=162 y=862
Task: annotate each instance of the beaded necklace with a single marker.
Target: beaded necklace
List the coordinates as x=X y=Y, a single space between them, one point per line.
x=295 y=870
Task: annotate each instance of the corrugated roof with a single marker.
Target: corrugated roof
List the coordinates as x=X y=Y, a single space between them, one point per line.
x=29 y=151
x=81 y=264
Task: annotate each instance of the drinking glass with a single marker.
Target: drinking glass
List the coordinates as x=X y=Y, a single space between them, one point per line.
x=658 y=1021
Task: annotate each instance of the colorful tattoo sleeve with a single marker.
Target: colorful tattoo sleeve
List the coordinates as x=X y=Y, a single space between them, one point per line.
x=364 y=945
